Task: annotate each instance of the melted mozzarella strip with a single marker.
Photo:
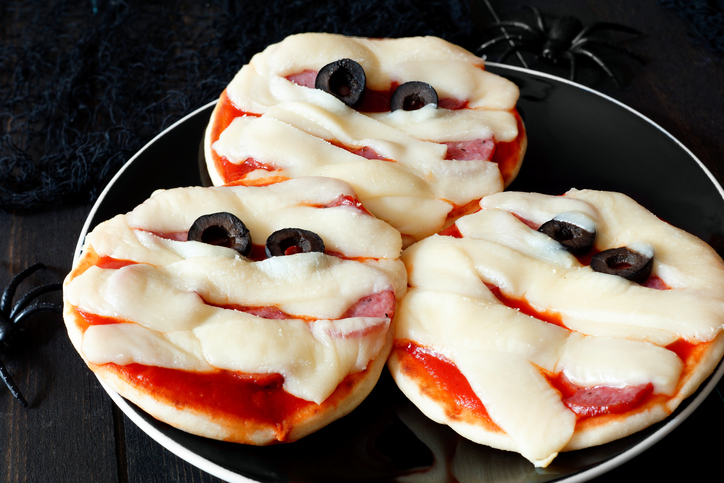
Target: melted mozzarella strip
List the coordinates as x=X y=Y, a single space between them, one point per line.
x=620 y=329
x=175 y=306
x=416 y=189
x=265 y=209
x=313 y=357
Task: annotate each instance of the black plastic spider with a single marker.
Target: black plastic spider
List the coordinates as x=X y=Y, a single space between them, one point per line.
x=11 y=318
x=565 y=39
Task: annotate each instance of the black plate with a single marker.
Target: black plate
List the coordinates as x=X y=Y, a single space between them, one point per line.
x=577 y=139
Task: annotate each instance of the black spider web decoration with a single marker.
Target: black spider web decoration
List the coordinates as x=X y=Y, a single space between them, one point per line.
x=85 y=84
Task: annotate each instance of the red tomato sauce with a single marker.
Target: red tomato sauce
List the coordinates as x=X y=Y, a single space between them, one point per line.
x=349 y=201
x=255 y=397
x=506 y=154
x=452 y=231
x=111 y=263
x=588 y=402
x=525 y=307
x=441 y=379
x=95 y=319
x=226 y=113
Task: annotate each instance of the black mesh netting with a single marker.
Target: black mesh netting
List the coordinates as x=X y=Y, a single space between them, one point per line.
x=705 y=18
x=85 y=84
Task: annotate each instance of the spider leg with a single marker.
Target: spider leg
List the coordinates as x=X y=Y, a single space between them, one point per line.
x=9 y=292
x=572 y=63
x=538 y=18
x=513 y=24
x=5 y=375
x=507 y=53
x=520 y=47
x=36 y=309
x=28 y=297
x=604 y=26
x=600 y=63
x=607 y=44
x=502 y=38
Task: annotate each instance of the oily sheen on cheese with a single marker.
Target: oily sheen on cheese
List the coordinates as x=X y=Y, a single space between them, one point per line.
x=168 y=302
x=289 y=128
x=610 y=332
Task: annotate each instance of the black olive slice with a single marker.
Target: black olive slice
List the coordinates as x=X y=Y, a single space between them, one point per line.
x=289 y=241
x=573 y=238
x=413 y=95
x=624 y=262
x=345 y=79
x=221 y=229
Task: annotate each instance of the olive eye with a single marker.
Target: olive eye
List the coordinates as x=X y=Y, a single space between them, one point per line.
x=221 y=229
x=413 y=95
x=345 y=79
x=289 y=241
x=624 y=262
x=573 y=238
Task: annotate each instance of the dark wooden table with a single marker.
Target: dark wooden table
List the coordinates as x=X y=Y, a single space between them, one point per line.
x=72 y=431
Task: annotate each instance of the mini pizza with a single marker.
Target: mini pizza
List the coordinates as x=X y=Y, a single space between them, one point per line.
x=417 y=126
x=245 y=314
x=543 y=324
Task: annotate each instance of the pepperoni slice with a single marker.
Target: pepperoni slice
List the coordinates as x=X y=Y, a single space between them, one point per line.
x=598 y=400
x=471 y=150
x=381 y=304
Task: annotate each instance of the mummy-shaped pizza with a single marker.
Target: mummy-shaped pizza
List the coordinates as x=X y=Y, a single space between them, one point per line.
x=246 y=314
x=417 y=126
x=544 y=323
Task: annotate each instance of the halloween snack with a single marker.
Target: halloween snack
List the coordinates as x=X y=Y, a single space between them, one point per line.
x=417 y=126
x=250 y=314
x=543 y=324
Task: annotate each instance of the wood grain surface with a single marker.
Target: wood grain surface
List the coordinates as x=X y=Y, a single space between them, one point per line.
x=73 y=432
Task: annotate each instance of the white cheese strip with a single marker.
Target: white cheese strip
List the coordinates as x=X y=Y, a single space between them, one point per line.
x=309 y=284
x=453 y=71
x=266 y=209
x=501 y=227
x=132 y=343
x=477 y=324
x=313 y=357
x=536 y=207
x=306 y=284
x=591 y=361
x=579 y=219
x=443 y=125
x=520 y=400
x=115 y=239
